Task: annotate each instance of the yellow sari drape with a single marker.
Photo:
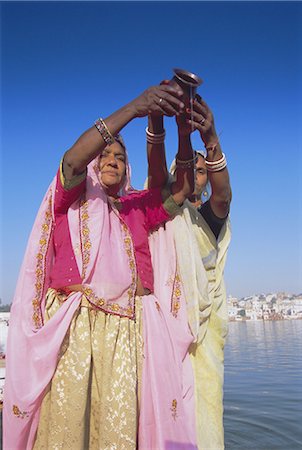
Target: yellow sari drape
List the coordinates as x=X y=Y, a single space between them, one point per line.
x=201 y=260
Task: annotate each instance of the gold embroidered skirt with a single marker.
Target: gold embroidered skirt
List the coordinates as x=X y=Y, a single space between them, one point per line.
x=93 y=398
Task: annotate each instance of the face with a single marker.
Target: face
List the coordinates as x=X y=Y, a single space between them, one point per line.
x=201 y=176
x=113 y=167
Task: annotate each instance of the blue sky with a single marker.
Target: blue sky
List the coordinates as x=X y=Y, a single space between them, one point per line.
x=63 y=64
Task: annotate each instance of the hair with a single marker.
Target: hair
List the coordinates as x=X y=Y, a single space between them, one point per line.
x=118 y=138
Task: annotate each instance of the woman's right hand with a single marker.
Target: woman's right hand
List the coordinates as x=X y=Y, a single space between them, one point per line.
x=159 y=100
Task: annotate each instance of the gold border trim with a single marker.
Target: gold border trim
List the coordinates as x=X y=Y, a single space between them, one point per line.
x=176 y=295
x=46 y=229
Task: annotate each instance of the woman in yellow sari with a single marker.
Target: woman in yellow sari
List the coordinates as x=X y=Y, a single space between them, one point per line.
x=202 y=236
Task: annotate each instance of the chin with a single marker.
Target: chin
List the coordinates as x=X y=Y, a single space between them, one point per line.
x=110 y=181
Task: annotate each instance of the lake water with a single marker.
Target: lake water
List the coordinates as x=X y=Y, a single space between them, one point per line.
x=263 y=385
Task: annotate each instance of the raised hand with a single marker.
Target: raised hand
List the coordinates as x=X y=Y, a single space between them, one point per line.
x=204 y=122
x=159 y=100
x=199 y=118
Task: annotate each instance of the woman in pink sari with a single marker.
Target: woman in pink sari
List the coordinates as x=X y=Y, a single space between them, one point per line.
x=91 y=358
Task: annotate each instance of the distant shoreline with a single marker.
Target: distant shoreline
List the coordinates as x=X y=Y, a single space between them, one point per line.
x=265 y=320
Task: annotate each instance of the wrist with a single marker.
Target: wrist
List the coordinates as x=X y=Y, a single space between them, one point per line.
x=155 y=123
x=210 y=141
x=131 y=111
x=184 y=134
x=210 y=136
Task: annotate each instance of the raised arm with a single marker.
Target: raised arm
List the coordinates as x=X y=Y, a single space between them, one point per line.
x=94 y=140
x=183 y=187
x=221 y=196
x=157 y=165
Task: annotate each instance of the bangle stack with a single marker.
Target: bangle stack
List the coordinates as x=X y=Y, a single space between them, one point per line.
x=104 y=131
x=186 y=164
x=153 y=138
x=216 y=166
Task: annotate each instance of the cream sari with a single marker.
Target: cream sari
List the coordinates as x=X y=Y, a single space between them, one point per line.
x=201 y=260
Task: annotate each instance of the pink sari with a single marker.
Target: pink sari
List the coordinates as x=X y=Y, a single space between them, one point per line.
x=33 y=347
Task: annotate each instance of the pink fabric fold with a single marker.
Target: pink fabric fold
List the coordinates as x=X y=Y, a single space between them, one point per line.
x=167 y=419
x=164 y=423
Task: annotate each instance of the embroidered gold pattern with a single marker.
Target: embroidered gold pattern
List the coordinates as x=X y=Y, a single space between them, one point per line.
x=111 y=349
x=18 y=413
x=85 y=235
x=176 y=295
x=173 y=409
x=129 y=250
x=101 y=303
x=40 y=265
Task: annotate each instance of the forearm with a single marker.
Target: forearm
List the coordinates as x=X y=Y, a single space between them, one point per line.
x=220 y=185
x=157 y=166
x=183 y=187
x=91 y=143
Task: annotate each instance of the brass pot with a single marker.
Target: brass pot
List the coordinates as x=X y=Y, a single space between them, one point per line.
x=188 y=82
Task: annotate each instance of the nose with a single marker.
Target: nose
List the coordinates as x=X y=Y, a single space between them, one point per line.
x=112 y=161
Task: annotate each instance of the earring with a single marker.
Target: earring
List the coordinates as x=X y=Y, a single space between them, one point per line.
x=204 y=196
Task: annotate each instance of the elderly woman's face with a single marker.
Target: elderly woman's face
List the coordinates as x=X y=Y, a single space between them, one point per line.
x=113 y=166
x=201 y=176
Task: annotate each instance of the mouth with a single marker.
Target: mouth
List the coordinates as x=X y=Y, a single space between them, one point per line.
x=111 y=173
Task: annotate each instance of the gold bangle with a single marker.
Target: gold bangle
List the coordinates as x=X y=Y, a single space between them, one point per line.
x=186 y=160
x=186 y=164
x=104 y=131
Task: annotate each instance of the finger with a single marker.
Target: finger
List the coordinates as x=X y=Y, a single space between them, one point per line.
x=172 y=100
x=204 y=105
x=171 y=89
x=164 y=82
x=199 y=107
x=167 y=108
x=195 y=125
x=196 y=117
x=159 y=106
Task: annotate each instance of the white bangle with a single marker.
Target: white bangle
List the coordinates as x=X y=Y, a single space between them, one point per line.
x=218 y=161
x=153 y=138
x=148 y=132
x=216 y=166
